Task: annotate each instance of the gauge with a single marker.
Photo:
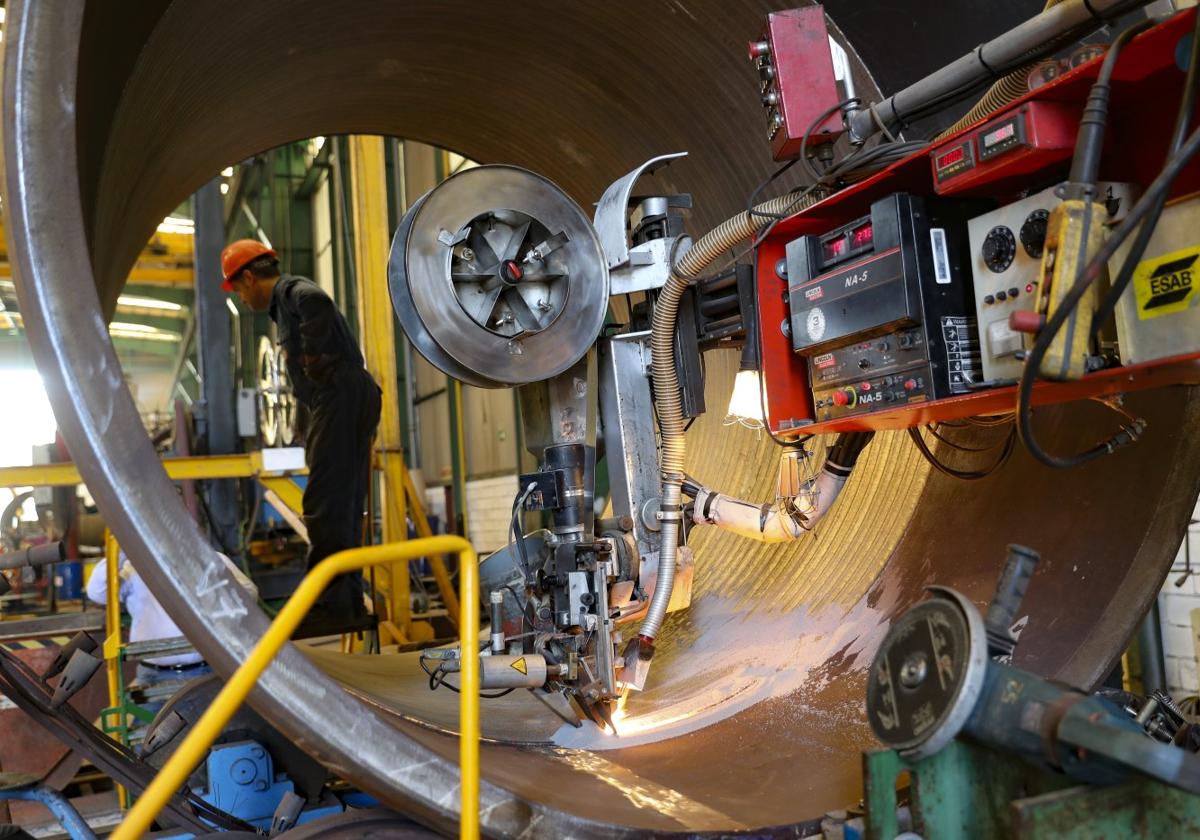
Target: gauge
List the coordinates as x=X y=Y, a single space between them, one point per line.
x=999 y=248
x=1033 y=233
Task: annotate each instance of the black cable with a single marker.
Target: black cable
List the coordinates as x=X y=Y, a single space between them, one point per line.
x=762 y=389
x=826 y=114
x=1183 y=118
x=963 y=475
x=753 y=200
x=1091 y=273
x=527 y=617
x=1089 y=142
x=960 y=447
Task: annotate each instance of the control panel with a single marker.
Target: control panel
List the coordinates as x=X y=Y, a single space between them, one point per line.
x=798 y=68
x=1011 y=147
x=1006 y=256
x=894 y=370
x=881 y=307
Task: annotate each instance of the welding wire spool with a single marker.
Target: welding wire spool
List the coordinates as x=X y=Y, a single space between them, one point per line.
x=498 y=277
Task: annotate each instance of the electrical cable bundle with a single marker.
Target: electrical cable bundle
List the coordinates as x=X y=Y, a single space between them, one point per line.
x=1006 y=445
x=1144 y=213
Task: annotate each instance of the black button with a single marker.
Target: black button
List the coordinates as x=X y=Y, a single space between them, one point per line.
x=1014 y=291
x=1001 y=295
x=989 y=299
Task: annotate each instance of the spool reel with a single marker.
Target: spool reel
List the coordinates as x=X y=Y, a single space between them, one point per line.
x=276 y=400
x=498 y=277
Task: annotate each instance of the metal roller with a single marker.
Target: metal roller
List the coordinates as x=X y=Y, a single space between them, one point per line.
x=498 y=278
x=766 y=670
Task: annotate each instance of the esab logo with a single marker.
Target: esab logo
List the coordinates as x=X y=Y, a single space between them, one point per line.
x=1165 y=285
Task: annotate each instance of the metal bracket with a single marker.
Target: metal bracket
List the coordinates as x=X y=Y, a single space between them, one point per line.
x=612 y=211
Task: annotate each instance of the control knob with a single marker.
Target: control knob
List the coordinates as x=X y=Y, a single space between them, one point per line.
x=999 y=249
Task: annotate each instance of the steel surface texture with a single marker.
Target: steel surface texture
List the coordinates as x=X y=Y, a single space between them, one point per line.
x=113 y=114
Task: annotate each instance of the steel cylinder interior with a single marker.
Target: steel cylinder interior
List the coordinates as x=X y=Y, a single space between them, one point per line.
x=754 y=718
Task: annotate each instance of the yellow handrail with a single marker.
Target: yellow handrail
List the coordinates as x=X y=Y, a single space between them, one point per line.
x=175 y=772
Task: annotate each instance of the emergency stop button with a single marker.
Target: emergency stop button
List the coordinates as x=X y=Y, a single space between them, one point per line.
x=844 y=397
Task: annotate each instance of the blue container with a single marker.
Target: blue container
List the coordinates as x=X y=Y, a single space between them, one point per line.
x=68 y=578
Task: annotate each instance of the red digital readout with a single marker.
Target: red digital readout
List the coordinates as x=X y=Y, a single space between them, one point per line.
x=999 y=135
x=862 y=235
x=835 y=248
x=951 y=157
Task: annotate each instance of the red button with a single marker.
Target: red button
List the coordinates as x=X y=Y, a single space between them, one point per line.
x=910 y=384
x=840 y=398
x=866 y=386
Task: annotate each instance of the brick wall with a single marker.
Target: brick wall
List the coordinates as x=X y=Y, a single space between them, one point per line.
x=1175 y=606
x=489 y=509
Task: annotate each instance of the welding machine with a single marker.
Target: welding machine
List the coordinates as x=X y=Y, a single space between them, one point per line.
x=882 y=307
x=1158 y=315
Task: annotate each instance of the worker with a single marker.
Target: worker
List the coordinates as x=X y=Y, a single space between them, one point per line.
x=150 y=622
x=329 y=378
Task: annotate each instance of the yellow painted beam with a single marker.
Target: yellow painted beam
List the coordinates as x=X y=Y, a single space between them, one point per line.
x=288 y=491
x=376 y=326
x=440 y=574
x=112 y=639
x=178 y=469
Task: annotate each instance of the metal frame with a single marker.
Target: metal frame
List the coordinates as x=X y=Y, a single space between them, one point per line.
x=192 y=750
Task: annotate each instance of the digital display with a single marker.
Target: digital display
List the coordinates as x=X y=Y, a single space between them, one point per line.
x=999 y=135
x=834 y=248
x=951 y=157
x=862 y=235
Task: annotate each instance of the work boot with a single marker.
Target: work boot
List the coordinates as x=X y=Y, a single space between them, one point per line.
x=340 y=609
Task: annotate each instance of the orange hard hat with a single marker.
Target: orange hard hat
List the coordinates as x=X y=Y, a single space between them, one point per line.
x=238 y=255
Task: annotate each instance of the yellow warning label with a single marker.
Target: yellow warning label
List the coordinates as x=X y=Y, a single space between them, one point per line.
x=519 y=665
x=1166 y=284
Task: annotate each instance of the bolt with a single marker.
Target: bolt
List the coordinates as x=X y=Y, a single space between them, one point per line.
x=914 y=670
x=543 y=306
x=467 y=254
x=781 y=268
x=260 y=785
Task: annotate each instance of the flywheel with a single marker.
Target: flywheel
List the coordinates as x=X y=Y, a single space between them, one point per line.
x=498 y=277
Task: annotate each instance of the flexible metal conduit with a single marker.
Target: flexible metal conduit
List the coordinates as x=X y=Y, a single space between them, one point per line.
x=730 y=234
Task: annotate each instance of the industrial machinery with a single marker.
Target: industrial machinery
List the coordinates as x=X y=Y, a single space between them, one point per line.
x=758 y=671
x=1158 y=316
x=1007 y=246
x=530 y=276
x=942 y=674
x=881 y=308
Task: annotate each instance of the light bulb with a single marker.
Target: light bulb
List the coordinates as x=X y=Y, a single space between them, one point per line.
x=746 y=402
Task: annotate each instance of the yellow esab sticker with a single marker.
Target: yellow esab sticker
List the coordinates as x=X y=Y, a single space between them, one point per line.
x=1166 y=284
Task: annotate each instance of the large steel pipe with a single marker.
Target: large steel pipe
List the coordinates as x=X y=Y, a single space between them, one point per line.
x=114 y=113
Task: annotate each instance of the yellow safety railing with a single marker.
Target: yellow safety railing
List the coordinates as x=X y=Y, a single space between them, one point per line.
x=195 y=746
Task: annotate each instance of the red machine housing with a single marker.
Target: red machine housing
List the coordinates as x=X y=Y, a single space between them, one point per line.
x=1008 y=149
x=1146 y=87
x=795 y=66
